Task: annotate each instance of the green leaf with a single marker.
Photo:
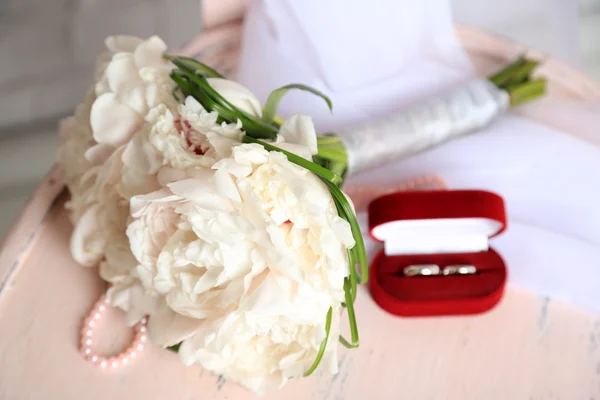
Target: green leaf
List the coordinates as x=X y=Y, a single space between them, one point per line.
x=174 y=348
x=323 y=344
x=192 y=64
x=270 y=109
x=201 y=68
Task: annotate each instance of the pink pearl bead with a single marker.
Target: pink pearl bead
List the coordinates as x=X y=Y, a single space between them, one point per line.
x=87 y=332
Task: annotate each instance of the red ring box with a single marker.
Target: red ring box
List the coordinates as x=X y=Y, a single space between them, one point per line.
x=437 y=227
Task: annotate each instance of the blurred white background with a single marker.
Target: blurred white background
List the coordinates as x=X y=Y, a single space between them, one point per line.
x=48 y=47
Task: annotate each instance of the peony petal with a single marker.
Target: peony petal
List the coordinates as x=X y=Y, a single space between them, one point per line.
x=201 y=193
x=130 y=297
x=141 y=156
x=297 y=149
x=150 y=53
x=237 y=94
x=342 y=231
x=208 y=280
x=134 y=183
x=138 y=203
x=300 y=129
x=120 y=262
x=133 y=95
x=122 y=72
x=222 y=145
x=167 y=328
x=99 y=153
x=233 y=167
x=251 y=153
x=113 y=123
x=87 y=244
x=187 y=352
x=122 y=43
x=226 y=186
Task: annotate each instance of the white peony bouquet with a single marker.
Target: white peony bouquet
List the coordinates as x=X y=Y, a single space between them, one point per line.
x=223 y=225
x=207 y=216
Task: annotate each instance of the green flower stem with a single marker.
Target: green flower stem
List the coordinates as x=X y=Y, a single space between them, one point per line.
x=351 y=259
x=359 y=248
x=352 y=318
x=323 y=344
x=503 y=76
x=516 y=80
x=526 y=92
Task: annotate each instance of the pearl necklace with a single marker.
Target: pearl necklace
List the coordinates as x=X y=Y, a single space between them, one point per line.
x=87 y=332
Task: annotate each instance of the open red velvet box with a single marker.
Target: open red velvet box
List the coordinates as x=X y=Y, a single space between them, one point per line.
x=443 y=228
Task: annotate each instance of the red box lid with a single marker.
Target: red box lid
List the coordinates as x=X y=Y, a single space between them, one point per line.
x=442 y=228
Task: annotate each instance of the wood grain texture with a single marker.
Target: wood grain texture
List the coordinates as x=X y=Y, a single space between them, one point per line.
x=526 y=348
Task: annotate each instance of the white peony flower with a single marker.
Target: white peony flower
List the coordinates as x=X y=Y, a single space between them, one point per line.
x=253 y=248
x=260 y=351
x=75 y=138
x=105 y=211
x=232 y=250
x=135 y=80
x=87 y=138
x=191 y=136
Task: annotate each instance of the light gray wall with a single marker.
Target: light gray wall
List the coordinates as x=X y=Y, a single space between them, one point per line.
x=48 y=47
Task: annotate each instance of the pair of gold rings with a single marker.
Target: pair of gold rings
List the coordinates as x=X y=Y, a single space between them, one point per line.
x=434 y=269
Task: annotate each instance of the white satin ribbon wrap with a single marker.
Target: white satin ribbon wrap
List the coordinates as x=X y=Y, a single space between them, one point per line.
x=464 y=110
x=548 y=175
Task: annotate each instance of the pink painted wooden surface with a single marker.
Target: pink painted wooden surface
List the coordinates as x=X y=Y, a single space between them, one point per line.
x=526 y=348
